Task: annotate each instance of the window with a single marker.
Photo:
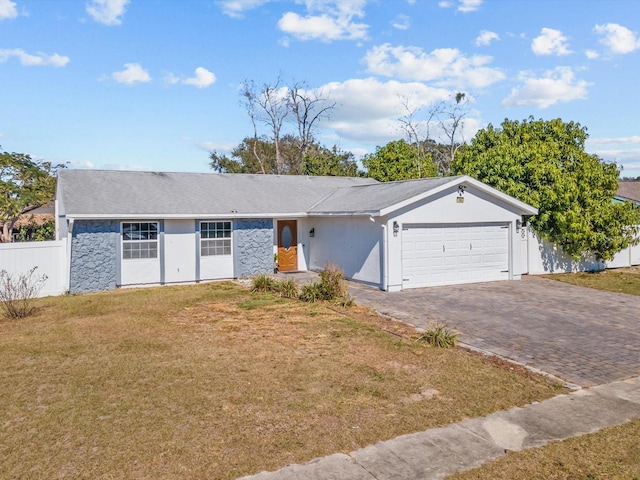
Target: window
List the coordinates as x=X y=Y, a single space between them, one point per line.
x=215 y=238
x=139 y=240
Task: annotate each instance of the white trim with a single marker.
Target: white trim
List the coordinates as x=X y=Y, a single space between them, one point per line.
x=69 y=240
x=190 y=216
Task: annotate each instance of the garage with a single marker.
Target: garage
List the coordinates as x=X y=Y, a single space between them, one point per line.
x=435 y=255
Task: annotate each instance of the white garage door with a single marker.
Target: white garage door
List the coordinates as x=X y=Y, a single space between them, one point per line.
x=447 y=255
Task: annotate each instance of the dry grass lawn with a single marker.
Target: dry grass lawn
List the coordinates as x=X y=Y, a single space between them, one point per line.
x=211 y=381
x=613 y=453
x=621 y=280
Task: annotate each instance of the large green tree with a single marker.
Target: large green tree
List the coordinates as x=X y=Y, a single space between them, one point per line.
x=544 y=163
x=399 y=160
x=322 y=161
x=24 y=184
x=258 y=155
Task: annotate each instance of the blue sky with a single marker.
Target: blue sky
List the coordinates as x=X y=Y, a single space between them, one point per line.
x=154 y=84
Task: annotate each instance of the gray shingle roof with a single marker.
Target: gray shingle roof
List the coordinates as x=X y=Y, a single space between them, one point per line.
x=629 y=190
x=127 y=193
x=374 y=197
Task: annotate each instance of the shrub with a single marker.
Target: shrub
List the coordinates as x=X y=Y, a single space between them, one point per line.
x=287 y=288
x=263 y=283
x=36 y=232
x=439 y=335
x=18 y=292
x=345 y=301
x=311 y=292
x=332 y=283
x=331 y=287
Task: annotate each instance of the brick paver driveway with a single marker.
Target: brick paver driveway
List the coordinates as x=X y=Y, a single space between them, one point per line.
x=584 y=336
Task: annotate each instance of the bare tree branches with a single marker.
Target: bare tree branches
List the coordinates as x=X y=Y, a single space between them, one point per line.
x=269 y=105
x=453 y=126
x=272 y=105
x=417 y=124
x=308 y=107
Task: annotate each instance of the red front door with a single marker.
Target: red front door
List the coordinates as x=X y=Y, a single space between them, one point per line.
x=287 y=245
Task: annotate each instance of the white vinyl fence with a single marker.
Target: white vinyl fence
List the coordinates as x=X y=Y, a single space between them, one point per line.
x=50 y=258
x=540 y=256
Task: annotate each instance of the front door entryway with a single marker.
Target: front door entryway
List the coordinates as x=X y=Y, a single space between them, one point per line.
x=287 y=245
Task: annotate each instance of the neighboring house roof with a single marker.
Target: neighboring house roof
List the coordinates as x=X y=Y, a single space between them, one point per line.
x=124 y=194
x=129 y=194
x=383 y=198
x=37 y=215
x=629 y=190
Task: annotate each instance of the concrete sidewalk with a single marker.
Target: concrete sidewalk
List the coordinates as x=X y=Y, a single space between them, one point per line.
x=439 y=452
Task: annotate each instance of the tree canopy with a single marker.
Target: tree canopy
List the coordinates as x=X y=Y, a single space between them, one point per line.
x=544 y=164
x=399 y=160
x=24 y=185
x=317 y=160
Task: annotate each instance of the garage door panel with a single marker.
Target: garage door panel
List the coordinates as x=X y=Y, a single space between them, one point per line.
x=454 y=254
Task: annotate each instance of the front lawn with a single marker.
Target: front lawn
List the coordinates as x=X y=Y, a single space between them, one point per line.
x=621 y=280
x=611 y=453
x=211 y=381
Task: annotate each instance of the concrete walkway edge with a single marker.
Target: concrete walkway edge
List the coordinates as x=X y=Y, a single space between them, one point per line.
x=439 y=452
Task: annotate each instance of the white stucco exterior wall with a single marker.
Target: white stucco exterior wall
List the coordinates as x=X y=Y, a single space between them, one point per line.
x=353 y=243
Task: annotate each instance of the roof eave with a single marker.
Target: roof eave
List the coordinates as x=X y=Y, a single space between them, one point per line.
x=173 y=216
x=351 y=213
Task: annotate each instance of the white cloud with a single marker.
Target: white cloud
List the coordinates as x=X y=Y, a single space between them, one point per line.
x=617 y=39
x=8 y=10
x=447 y=66
x=203 y=78
x=285 y=42
x=30 y=60
x=81 y=165
x=326 y=20
x=633 y=140
x=220 y=147
x=550 y=42
x=367 y=110
x=464 y=6
x=486 y=37
x=401 y=22
x=625 y=151
x=591 y=54
x=107 y=12
x=556 y=86
x=236 y=8
x=171 y=79
x=132 y=73
x=469 y=5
